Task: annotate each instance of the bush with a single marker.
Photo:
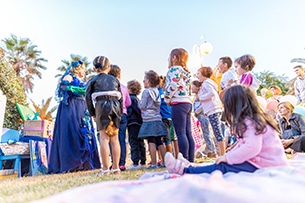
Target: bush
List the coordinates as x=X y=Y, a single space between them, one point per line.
x=14 y=92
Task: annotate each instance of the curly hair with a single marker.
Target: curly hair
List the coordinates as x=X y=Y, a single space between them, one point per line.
x=134 y=87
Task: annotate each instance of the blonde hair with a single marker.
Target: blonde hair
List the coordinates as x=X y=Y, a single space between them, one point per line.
x=287 y=105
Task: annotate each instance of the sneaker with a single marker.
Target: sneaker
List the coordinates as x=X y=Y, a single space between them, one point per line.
x=122 y=168
x=152 y=166
x=133 y=167
x=173 y=165
x=184 y=160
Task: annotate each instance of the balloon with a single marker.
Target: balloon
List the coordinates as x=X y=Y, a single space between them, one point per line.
x=272 y=104
x=290 y=98
x=262 y=101
x=299 y=110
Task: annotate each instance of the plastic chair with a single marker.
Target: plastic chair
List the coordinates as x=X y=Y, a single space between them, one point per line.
x=12 y=135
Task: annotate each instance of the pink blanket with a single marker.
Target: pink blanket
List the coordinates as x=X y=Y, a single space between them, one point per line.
x=276 y=184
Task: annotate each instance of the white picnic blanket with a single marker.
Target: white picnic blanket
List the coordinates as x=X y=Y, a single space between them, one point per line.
x=276 y=184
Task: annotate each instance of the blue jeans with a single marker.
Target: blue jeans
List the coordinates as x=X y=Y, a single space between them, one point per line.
x=223 y=167
x=181 y=117
x=122 y=139
x=205 y=127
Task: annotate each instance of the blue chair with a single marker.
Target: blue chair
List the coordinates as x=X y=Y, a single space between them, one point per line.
x=7 y=136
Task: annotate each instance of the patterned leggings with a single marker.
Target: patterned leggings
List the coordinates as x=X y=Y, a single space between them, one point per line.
x=216 y=126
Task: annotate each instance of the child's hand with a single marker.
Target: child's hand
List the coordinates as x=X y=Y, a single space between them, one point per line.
x=221 y=159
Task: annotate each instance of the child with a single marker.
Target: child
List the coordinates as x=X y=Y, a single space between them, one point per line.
x=229 y=76
x=152 y=129
x=116 y=72
x=177 y=95
x=204 y=121
x=166 y=113
x=134 y=118
x=104 y=101
x=211 y=104
x=244 y=65
x=258 y=144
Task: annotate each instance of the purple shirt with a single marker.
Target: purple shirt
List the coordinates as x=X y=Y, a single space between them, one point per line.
x=126 y=98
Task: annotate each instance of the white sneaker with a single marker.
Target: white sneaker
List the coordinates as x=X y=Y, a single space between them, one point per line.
x=173 y=165
x=184 y=160
x=134 y=167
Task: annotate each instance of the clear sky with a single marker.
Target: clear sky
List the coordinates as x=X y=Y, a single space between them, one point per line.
x=139 y=35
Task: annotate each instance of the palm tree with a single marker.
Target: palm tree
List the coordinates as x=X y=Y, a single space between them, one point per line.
x=43 y=109
x=66 y=64
x=25 y=60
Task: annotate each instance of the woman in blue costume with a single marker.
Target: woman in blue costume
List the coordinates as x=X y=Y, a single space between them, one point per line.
x=74 y=146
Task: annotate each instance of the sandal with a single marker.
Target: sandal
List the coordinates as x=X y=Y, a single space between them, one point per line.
x=116 y=171
x=104 y=173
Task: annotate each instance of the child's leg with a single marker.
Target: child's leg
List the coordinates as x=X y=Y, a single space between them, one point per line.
x=152 y=150
x=167 y=139
x=142 y=152
x=223 y=167
x=176 y=148
x=116 y=151
x=204 y=123
x=105 y=152
x=161 y=148
x=133 y=131
x=216 y=126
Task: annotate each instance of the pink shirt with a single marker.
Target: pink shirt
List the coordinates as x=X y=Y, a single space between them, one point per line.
x=263 y=150
x=126 y=98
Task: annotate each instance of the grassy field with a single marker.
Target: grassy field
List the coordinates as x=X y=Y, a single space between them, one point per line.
x=26 y=189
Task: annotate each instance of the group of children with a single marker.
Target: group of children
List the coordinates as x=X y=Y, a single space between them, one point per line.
x=166 y=106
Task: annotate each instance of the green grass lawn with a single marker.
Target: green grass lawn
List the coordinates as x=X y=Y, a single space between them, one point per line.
x=27 y=189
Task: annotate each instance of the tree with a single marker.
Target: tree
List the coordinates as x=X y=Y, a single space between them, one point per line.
x=268 y=78
x=43 y=109
x=66 y=63
x=25 y=60
x=12 y=88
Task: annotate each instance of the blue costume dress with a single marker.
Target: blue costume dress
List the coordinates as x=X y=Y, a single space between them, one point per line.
x=74 y=146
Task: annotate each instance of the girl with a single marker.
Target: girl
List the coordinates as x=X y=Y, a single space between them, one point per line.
x=74 y=146
x=292 y=126
x=105 y=105
x=177 y=95
x=152 y=127
x=258 y=144
x=211 y=104
x=204 y=121
x=244 y=65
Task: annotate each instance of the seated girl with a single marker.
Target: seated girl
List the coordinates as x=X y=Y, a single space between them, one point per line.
x=258 y=144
